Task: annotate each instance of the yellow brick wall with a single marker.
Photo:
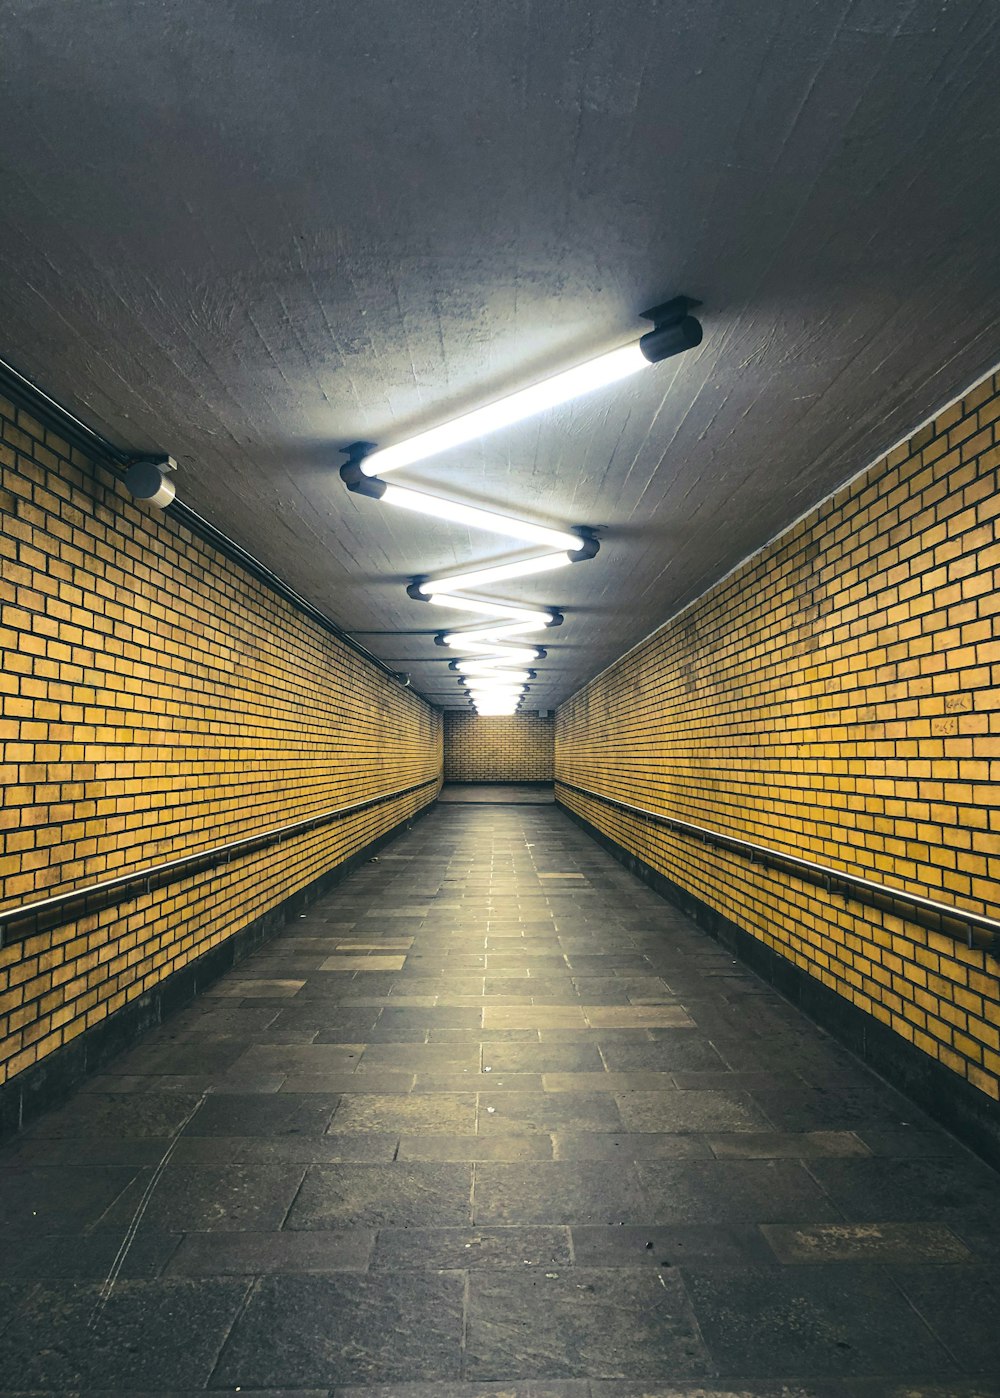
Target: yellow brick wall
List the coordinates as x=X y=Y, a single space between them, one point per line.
x=498 y=748
x=836 y=697
x=155 y=699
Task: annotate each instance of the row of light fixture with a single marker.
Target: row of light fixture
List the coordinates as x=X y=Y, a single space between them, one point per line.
x=494 y=663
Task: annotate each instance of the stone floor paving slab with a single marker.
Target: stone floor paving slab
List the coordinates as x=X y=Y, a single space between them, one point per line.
x=624 y=1145
x=519 y=1113
x=534 y=1147
x=261 y=1254
x=700 y=1111
x=745 y=1191
x=776 y=1145
x=441 y=1113
x=281 y=1115
x=208 y=1198
x=339 y=1329
x=812 y=1322
x=460 y=1249
x=45 y=1199
x=898 y=1244
x=414 y=1194
x=152 y=1335
x=559 y=1192
x=581 y=1322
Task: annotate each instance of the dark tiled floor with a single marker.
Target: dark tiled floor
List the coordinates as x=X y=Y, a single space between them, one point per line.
x=499 y=793
x=493 y=1121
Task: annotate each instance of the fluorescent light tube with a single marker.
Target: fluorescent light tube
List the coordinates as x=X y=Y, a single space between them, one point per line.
x=482 y=675
x=526 y=619
x=605 y=369
x=483 y=577
x=489 y=639
x=503 y=654
x=452 y=510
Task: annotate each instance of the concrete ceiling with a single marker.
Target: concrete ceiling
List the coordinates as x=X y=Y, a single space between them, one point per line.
x=248 y=233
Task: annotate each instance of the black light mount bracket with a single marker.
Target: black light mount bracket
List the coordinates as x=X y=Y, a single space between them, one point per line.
x=556 y=618
x=674 y=329
x=353 y=476
x=414 y=590
x=589 y=547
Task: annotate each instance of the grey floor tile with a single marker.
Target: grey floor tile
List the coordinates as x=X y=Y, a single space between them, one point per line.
x=434 y=1113
x=47 y=1199
x=332 y=1330
x=521 y=1147
x=317 y=1150
x=109 y=1116
x=624 y=1145
x=519 y=1113
x=208 y=1198
x=960 y=1305
x=676 y=1110
x=679 y=1050
x=381 y=1080
x=666 y=1247
x=559 y=1192
x=581 y=1322
x=417 y=1194
x=959 y=1191
x=775 y=1145
x=262 y=1254
x=87 y=1257
x=745 y=1191
x=899 y=1244
x=460 y=1249
x=812 y=1322
x=543 y=1058
x=147 y=1335
x=284 y=1114
x=834 y=1107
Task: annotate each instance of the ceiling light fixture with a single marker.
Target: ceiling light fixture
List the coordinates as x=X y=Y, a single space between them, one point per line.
x=483 y=577
x=454 y=511
x=492 y=646
x=528 y=618
x=674 y=330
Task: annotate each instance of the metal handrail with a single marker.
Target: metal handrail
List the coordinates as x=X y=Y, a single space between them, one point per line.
x=833 y=879
x=174 y=869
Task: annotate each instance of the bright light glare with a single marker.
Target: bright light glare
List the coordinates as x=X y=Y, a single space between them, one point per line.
x=483 y=577
x=606 y=369
x=527 y=619
x=481 y=675
x=475 y=518
x=487 y=638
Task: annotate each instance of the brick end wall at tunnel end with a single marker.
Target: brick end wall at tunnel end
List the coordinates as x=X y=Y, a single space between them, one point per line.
x=498 y=748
